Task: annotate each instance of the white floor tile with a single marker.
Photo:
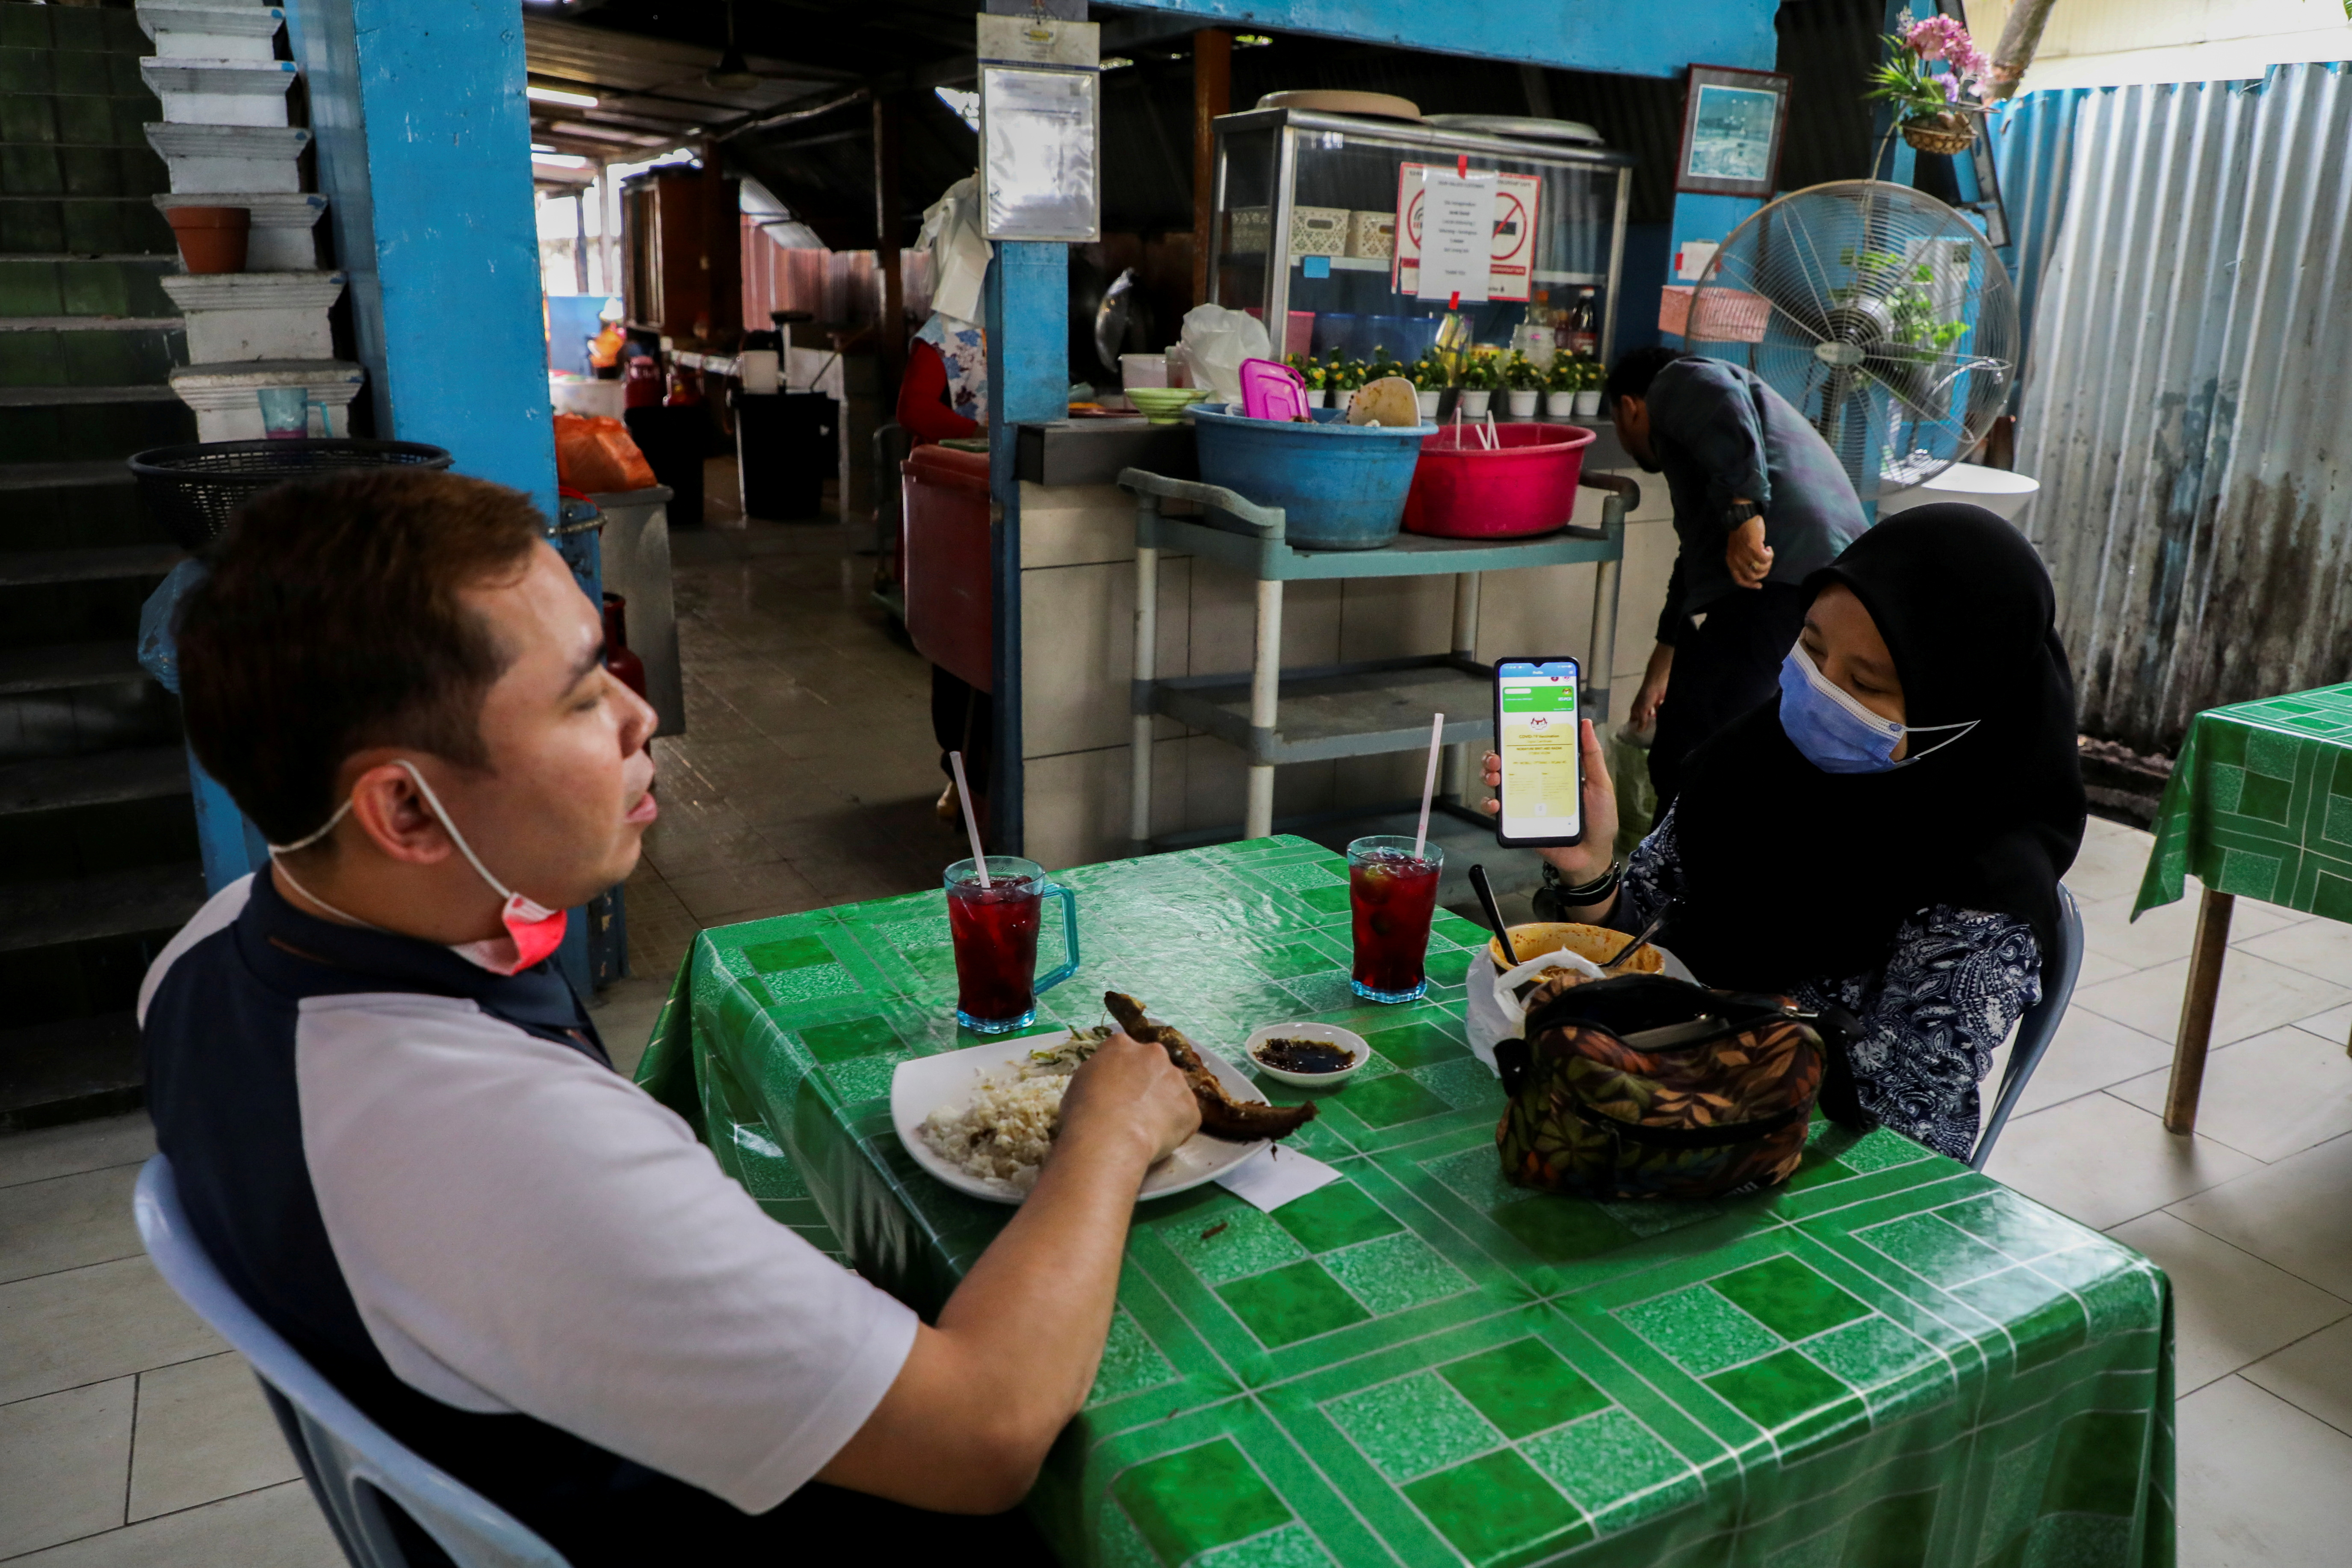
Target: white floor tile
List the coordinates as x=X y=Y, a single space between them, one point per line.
x=2108 y=866
x=2090 y=1053
x=204 y=1433
x=2270 y=1097
x=278 y=1527
x=2261 y=1484
x=2320 y=947
x=67 y=1222
x=2102 y=1162
x=83 y=1146
x=625 y=1016
x=2296 y=1214
x=2335 y=1024
x=61 y=1330
x=2314 y=1374
x=63 y=1457
x=2097 y=968
x=2169 y=930
x=2229 y=1308
x=2256 y=995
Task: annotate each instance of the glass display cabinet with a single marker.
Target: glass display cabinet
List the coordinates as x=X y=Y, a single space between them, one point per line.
x=1308 y=230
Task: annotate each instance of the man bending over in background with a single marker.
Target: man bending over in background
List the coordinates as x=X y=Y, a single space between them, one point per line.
x=399 y=1137
x=1760 y=503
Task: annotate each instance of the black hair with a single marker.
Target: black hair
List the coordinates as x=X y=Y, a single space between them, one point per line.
x=1637 y=368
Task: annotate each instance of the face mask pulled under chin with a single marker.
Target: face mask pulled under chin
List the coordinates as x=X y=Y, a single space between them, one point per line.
x=533 y=930
x=1836 y=734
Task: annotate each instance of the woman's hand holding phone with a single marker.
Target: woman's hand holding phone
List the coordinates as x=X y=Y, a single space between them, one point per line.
x=1585 y=861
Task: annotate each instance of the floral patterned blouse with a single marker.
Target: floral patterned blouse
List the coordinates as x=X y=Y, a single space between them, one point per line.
x=1954 y=984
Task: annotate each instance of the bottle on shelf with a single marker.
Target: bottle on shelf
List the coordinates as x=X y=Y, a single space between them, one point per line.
x=1581 y=331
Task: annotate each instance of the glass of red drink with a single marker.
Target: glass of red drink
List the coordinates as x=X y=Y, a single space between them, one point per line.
x=995 y=933
x=1392 y=893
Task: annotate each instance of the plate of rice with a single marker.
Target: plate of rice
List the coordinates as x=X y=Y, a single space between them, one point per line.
x=982 y=1119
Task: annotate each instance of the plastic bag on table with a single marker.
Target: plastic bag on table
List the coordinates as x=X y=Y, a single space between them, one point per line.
x=1215 y=342
x=595 y=455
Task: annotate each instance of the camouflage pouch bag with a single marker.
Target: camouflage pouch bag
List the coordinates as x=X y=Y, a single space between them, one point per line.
x=1646 y=1087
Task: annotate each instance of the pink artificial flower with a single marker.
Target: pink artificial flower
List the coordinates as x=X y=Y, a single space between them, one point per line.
x=1951 y=86
x=1938 y=39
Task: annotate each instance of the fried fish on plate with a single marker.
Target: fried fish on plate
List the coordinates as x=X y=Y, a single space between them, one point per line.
x=1220 y=1116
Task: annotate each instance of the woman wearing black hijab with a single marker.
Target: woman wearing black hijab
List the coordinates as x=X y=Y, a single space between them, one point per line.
x=1888 y=833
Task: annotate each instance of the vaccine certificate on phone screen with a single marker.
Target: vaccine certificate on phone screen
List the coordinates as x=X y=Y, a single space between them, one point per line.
x=1540 y=798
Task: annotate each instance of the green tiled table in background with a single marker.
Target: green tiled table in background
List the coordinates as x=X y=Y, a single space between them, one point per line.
x=1893 y=1361
x=2259 y=806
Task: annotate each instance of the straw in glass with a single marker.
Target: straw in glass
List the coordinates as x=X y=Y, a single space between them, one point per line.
x=1429 y=784
x=972 y=823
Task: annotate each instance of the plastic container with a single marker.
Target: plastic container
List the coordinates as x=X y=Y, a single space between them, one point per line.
x=1342 y=487
x=1524 y=486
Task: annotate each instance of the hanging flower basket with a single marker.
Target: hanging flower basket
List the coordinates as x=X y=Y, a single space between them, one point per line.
x=1949 y=134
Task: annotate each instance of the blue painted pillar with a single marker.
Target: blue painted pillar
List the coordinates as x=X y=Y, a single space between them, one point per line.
x=1028 y=302
x=424 y=149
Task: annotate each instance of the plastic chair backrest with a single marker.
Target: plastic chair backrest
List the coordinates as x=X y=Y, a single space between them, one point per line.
x=352 y=1462
x=2038 y=1027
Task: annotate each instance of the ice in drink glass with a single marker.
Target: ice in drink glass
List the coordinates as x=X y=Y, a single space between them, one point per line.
x=1392 y=893
x=995 y=933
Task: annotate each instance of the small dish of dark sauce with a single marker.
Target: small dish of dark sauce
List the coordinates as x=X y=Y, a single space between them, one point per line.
x=1305 y=1056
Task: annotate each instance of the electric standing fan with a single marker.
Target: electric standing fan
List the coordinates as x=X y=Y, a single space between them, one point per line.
x=1881 y=314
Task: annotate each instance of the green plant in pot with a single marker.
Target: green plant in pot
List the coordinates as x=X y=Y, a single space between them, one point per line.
x=1480 y=378
x=1934 y=76
x=1523 y=385
x=1429 y=382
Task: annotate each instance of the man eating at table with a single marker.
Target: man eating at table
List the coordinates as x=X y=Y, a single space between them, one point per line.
x=397 y=1134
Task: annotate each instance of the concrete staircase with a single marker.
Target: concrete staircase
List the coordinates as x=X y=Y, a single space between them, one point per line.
x=98 y=849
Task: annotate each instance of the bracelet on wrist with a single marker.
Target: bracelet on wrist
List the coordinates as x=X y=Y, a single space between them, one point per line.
x=1587 y=893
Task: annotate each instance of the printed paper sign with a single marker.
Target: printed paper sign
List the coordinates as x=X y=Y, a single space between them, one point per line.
x=1508 y=220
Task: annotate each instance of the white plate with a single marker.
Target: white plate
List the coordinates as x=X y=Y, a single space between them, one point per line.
x=920 y=1087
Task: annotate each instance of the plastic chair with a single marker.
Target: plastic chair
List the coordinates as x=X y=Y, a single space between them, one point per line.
x=352 y=1464
x=2038 y=1027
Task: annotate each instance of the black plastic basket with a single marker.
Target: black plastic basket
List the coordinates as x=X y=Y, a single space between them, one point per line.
x=195 y=490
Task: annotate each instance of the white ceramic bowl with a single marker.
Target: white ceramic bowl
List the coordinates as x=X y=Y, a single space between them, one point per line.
x=1322 y=1034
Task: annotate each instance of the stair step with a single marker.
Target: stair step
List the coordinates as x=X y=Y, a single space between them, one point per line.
x=90 y=323
x=50 y=913
x=61 y=664
x=104 y=778
x=70 y=1071
x=59 y=397
x=23 y=568
x=63 y=476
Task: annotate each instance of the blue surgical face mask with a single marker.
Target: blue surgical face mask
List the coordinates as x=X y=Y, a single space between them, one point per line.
x=1836 y=734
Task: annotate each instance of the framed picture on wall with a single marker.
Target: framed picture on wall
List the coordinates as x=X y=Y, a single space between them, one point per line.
x=1733 y=121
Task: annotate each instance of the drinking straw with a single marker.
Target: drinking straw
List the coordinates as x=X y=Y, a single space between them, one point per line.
x=1429 y=784
x=972 y=823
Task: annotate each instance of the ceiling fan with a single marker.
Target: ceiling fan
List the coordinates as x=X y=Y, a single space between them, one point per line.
x=733 y=73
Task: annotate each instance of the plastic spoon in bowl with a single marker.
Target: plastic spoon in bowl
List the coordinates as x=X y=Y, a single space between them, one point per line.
x=1486 y=891
x=1625 y=954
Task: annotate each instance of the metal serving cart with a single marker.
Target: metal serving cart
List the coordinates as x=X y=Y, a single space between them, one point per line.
x=1305 y=227
x=1359 y=709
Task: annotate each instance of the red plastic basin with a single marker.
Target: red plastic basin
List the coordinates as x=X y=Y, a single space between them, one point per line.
x=1526 y=485
x=944 y=556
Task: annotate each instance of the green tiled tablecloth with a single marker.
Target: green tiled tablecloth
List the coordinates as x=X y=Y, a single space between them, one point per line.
x=1893 y=1363
x=2260 y=804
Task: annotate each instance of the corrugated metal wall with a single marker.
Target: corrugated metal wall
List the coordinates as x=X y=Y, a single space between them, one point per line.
x=2189 y=408
x=2033 y=153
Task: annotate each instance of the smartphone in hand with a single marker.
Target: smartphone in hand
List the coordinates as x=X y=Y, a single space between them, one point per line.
x=1536 y=734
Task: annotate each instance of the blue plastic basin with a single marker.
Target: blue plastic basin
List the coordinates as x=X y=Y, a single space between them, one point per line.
x=1342 y=487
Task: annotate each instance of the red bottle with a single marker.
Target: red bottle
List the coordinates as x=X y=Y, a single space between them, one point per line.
x=626 y=667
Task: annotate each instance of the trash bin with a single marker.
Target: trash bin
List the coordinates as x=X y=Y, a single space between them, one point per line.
x=193 y=490
x=675 y=440
x=787 y=444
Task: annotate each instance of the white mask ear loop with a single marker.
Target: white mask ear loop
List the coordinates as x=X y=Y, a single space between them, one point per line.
x=449 y=824
x=279 y=851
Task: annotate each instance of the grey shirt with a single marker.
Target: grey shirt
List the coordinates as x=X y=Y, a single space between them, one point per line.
x=1719 y=434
